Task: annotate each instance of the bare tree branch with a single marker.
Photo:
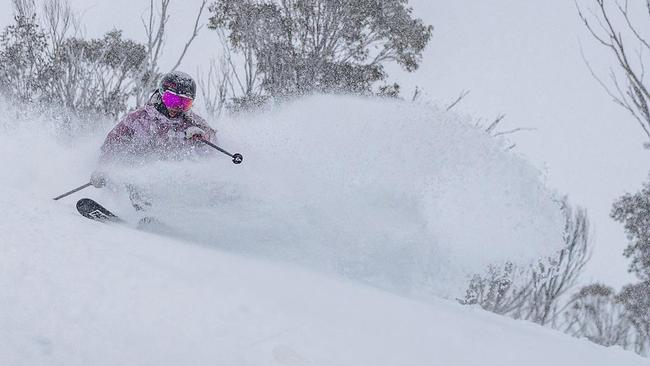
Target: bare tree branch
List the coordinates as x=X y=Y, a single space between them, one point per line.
x=514 y=130
x=24 y=8
x=634 y=96
x=462 y=95
x=494 y=124
x=416 y=94
x=195 y=32
x=214 y=87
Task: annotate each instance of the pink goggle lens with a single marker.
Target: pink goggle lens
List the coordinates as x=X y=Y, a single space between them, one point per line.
x=177 y=102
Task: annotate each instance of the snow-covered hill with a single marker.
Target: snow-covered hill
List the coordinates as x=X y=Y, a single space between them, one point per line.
x=397 y=195
x=319 y=250
x=76 y=292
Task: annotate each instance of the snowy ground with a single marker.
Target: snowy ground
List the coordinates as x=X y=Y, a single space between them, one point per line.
x=276 y=254
x=76 y=292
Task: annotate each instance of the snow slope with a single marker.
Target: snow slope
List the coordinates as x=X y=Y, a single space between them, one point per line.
x=273 y=258
x=77 y=292
x=398 y=195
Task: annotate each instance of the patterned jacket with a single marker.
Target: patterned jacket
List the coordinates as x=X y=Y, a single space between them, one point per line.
x=147 y=134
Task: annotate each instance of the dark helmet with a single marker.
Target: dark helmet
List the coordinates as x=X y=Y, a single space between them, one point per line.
x=179 y=83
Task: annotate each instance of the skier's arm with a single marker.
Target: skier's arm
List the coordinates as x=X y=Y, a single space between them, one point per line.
x=201 y=130
x=200 y=133
x=118 y=142
x=115 y=144
x=211 y=135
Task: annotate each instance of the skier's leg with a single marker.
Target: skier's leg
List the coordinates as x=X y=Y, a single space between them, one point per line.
x=140 y=200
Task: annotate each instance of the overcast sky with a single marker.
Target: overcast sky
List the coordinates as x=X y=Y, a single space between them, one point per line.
x=521 y=58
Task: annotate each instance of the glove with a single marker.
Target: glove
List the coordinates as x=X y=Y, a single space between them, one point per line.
x=98 y=179
x=195 y=133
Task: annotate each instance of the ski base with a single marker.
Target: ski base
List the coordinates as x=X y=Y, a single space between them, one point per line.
x=94 y=211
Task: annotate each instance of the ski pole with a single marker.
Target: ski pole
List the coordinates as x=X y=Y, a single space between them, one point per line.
x=73 y=191
x=236 y=158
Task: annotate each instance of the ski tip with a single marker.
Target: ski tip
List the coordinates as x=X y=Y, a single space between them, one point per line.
x=84 y=202
x=93 y=210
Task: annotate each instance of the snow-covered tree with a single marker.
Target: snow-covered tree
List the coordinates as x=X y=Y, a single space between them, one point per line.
x=97 y=75
x=534 y=293
x=25 y=64
x=595 y=312
x=636 y=299
x=633 y=210
x=301 y=46
x=45 y=59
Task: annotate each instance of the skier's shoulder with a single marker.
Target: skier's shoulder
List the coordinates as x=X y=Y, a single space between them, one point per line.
x=136 y=113
x=142 y=116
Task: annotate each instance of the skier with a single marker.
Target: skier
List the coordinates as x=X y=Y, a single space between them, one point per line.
x=165 y=128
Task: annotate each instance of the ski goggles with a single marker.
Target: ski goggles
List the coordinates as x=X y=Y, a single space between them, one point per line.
x=176 y=102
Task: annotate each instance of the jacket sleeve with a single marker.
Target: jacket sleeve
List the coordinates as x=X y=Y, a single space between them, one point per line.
x=210 y=133
x=119 y=141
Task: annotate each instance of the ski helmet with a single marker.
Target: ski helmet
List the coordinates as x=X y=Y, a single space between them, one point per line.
x=177 y=90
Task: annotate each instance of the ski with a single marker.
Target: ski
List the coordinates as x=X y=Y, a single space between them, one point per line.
x=94 y=211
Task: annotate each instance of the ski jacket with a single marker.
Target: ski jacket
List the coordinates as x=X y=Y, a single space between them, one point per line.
x=148 y=134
